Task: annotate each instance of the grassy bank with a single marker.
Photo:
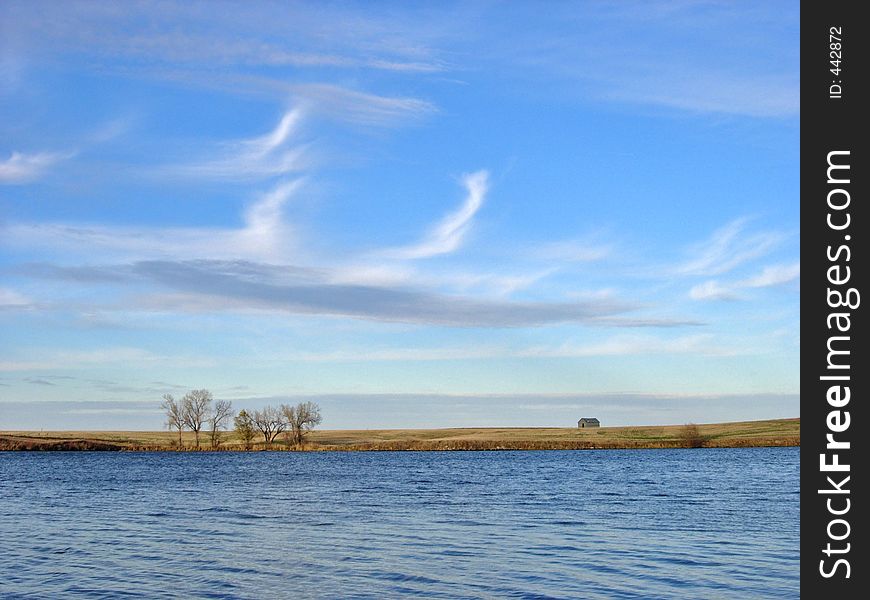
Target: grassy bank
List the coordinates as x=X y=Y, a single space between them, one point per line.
x=780 y=432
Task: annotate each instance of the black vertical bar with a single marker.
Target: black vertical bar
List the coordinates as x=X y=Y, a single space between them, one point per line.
x=834 y=370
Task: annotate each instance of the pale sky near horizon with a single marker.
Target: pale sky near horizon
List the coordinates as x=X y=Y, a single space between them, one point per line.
x=470 y=213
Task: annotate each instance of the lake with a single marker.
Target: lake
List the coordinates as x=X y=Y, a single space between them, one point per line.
x=707 y=523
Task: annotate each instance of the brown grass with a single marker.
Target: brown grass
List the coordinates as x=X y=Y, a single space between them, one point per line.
x=780 y=432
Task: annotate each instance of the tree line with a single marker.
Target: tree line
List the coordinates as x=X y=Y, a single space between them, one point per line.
x=198 y=412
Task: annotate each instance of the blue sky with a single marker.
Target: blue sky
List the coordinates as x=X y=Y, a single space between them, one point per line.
x=473 y=213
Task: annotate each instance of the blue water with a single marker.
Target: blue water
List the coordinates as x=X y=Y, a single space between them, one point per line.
x=711 y=523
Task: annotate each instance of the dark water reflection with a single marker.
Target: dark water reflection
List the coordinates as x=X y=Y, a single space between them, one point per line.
x=713 y=523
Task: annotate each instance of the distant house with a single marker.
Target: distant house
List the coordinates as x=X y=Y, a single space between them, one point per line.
x=593 y=422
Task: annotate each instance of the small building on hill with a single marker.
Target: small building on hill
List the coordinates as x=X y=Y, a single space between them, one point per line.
x=588 y=422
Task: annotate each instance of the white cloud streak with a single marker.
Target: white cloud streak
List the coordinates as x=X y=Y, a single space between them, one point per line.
x=201 y=35
x=262 y=146
x=770 y=276
x=722 y=92
x=712 y=290
x=264 y=236
x=11 y=298
x=774 y=275
x=728 y=248
x=357 y=107
x=258 y=158
x=23 y=168
x=449 y=234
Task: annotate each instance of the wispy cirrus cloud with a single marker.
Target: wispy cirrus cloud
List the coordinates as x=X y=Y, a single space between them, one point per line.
x=264 y=235
x=774 y=275
x=222 y=47
x=23 y=168
x=717 y=93
x=449 y=233
x=357 y=107
x=712 y=290
x=201 y=35
x=11 y=298
x=26 y=167
x=261 y=157
x=727 y=248
x=657 y=51
x=770 y=276
x=345 y=103
x=500 y=284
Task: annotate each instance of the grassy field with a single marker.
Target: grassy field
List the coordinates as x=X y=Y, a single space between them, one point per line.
x=780 y=432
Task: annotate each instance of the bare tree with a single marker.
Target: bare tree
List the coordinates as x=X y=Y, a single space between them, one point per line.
x=302 y=418
x=270 y=422
x=195 y=410
x=220 y=416
x=245 y=428
x=174 y=414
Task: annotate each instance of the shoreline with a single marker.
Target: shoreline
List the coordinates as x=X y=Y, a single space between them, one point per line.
x=744 y=434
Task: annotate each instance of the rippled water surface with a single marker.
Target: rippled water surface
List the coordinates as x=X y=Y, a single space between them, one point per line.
x=711 y=523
